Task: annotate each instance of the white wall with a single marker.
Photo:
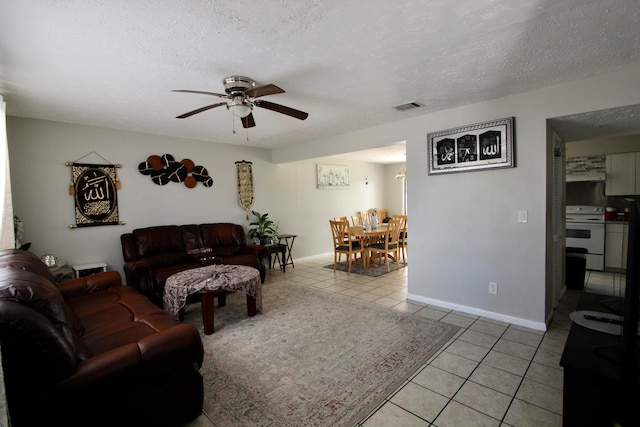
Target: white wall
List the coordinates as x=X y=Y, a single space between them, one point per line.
x=38 y=150
x=464 y=229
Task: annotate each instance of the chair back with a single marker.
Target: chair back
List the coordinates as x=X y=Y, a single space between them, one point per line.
x=339 y=230
x=393 y=232
x=340 y=218
x=403 y=223
x=356 y=220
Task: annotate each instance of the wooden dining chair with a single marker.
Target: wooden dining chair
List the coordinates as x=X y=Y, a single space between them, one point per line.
x=351 y=246
x=402 y=239
x=382 y=214
x=356 y=220
x=389 y=246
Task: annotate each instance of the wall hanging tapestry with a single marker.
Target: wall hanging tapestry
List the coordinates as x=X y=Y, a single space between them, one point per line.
x=164 y=169
x=332 y=176
x=245 y=185
x=94 y=188
x=480 y=146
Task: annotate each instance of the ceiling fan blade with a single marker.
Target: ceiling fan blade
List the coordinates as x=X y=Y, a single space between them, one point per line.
x=200 y=110
x=221 y=95
x=259 y=91
x=281 y=109
x=248 y=122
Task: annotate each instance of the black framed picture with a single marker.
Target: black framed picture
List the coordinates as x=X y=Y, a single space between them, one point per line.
x=480 y=146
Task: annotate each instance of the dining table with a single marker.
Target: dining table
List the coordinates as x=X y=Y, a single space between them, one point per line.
x=371 y=235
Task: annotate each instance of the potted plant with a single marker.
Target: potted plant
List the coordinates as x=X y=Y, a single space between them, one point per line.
x=263 y=228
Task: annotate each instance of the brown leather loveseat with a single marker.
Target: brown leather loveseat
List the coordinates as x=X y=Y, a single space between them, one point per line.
x=153 y=254
x=92 y=352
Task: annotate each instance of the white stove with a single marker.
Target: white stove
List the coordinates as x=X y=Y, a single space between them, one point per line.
x=584 y=213
x=585 y=228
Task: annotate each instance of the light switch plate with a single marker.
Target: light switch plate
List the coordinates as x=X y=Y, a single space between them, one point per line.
x=522 y=216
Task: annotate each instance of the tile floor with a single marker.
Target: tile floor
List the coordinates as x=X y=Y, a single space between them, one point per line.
x=490 y=374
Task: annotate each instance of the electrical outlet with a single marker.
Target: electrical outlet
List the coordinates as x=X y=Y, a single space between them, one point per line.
x=493 y=288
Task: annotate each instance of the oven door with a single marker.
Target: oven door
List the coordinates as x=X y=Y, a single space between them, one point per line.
x=590 y=236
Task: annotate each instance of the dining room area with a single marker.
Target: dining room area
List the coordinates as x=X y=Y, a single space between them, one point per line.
x=372 y=241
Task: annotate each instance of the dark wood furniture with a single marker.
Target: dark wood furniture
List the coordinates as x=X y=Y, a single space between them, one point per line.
x=280 y=252
x=288 y=241
x=594 y=393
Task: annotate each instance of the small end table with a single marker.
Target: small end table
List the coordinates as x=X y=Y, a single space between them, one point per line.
x=288 y=241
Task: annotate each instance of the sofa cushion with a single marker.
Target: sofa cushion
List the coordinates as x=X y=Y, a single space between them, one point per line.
x=154 y=240
x=224 y=238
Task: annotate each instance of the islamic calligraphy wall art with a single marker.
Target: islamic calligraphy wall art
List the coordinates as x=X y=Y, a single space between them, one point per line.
x=332 y=177
x=245 y=185
x=165 y=169
x=486 y=145
x=94 y=188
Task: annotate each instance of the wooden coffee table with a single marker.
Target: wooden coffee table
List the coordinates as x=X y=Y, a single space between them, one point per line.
x=210 y=281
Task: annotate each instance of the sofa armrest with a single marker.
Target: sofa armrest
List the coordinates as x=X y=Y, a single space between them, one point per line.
x=118 y=365
x=84 y=285
x=172 y=348
x=258 y=250
x=139 y=275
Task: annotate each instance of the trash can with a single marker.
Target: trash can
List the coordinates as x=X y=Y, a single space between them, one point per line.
x=576 y=263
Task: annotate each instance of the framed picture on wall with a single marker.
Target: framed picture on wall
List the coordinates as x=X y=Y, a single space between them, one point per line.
x=333 y=177
x=480 y=146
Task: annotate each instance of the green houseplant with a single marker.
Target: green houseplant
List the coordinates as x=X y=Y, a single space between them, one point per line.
x=263 y=227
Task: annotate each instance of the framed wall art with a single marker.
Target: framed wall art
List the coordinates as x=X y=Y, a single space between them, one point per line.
x=332 y=177
x=480 y=146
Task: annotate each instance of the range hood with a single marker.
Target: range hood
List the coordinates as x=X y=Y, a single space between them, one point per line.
x=586 y=177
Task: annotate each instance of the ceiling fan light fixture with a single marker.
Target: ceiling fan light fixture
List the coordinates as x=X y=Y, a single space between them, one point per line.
x=238 y=107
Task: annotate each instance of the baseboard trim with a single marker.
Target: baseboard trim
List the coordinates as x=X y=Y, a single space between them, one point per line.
x=539 y=326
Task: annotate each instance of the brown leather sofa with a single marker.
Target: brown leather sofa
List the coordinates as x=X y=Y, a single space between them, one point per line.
x=92 y=352
x=153 y=254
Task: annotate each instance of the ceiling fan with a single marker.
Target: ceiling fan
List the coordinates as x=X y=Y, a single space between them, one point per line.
x=241 y=92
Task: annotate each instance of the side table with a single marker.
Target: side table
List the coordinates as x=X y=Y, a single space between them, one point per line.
x=280 y=252
x=288 y=241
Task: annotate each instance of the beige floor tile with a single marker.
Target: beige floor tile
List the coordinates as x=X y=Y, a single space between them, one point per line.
x=506 y=362
x=386 y=302
x=515 y=349
x=483 y=399
x=488 y=328
x=458 y=320
x=468 y=350
x=457 y=415
x=479 y=338
x=430 y=313
x=420 y=401
x=392 y=415
x=523 y=337
x=553 y=377
x=525 y=414
x=541 y=395
x=454 y=364
x=442 y=382
x=496 y=379
x=548 y=358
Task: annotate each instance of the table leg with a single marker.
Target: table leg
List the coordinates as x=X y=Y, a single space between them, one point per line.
x=251 y=306
x=207 y=312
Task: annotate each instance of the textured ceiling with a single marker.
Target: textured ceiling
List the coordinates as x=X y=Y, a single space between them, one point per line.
x=113 y=63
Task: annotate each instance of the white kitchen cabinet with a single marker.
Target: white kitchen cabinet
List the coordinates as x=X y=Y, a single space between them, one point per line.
x=615 y=250
x=623 y=174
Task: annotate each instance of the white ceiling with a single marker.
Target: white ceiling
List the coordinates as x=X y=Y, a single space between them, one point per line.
x=113 y=63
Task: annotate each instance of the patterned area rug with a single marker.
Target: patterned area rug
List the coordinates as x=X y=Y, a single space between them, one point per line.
x=371 y=271
x=310 y=358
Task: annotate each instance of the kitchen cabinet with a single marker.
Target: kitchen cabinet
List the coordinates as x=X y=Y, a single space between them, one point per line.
x=623 y=174
x=615 y=249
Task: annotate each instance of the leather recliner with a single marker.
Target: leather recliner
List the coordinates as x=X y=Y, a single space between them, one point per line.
x=92 y=352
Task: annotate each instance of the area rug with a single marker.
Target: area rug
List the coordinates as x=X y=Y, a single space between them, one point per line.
x=311 y=358
x=371 y=271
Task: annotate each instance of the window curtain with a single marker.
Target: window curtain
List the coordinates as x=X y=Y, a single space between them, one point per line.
x=7 y=233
